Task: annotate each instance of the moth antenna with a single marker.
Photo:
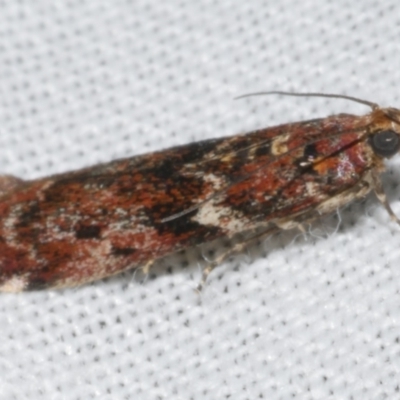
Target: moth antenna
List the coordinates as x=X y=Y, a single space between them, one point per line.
x=373 y=106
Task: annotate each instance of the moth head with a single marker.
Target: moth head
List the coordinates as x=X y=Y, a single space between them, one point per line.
x=385 y=143
x=385 y=139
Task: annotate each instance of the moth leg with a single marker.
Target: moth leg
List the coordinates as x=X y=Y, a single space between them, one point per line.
x=146 y=267
x=380 y=194
x=237 y=248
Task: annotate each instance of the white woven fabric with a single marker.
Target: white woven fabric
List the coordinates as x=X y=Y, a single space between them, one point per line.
x=304 y=318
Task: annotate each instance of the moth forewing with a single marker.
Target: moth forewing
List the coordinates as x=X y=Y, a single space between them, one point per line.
x=76 y=227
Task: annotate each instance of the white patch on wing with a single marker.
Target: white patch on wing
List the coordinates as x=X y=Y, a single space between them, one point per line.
x=222 y=217
x=14 y=285
x=279 y=145
x=313 y=189
x=216 y=182
x=333 y=203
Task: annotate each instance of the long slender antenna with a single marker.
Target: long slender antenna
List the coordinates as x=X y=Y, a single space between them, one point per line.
x=374 y=106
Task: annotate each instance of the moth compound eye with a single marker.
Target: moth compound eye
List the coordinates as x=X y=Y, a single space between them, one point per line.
x=385 y=143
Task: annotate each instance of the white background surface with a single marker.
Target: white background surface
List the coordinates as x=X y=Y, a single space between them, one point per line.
x=89 y=81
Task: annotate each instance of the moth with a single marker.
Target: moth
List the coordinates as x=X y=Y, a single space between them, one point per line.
x=72 y=228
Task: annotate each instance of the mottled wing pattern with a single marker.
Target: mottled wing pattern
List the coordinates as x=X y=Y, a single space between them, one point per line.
x=77 y=227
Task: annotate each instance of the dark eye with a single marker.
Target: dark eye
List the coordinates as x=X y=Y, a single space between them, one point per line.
x=385 y=143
